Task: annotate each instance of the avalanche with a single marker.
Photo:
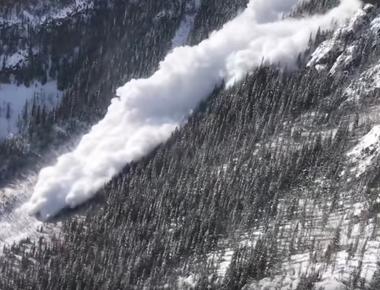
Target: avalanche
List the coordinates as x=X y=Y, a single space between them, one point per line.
x=148 y=110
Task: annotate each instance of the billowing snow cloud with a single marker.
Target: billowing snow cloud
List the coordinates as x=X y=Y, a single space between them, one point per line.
x=148 y=110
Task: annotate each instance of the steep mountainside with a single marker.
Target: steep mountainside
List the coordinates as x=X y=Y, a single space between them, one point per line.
x=61 y=86
x=272 y=183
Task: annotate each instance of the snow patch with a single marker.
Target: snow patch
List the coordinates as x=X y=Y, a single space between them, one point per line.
x=13 y=99
x=225 y=262
x=330 y=284
x=366 y=152
x=19 y=58
x=322 y=52
x=365 y=85
x=375 y=25
x=187 y=282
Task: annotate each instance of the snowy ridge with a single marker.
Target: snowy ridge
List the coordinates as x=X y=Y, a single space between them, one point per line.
x=334 y=48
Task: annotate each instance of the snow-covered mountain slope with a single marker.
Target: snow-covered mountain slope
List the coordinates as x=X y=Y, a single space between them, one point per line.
x=334 y=242
x=22 y=98
x=16 y=99
x=27 y=76
x=33 y=53
x=84 y=70
x=148 y=110
x=271 y=184
x=325 y=231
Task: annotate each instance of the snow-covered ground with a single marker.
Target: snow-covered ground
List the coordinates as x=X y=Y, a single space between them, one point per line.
x=357 y=246
x=346 y=222
x=335 y=48
x=366 y=151
x=335 y=238
x=13 y=99
x=365 y=86
x=375 y=24
x=15 y=224
x=14 y=60
x=319 y=230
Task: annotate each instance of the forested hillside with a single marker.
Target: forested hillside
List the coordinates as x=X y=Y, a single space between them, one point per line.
x=272 y=182
x=104 y=46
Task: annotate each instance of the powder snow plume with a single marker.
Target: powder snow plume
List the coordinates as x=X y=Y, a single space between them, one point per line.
x=148 y=110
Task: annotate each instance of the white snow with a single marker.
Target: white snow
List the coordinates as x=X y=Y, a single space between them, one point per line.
x=187 y=282
x=13 y=60
x=335 y=47
x=358 y=246
x=357 y=209
x=366 y=151
x=13 y=99
x=375 y=25
x=14 y=225
x=330 y=284
x=17 y=225
x=365 y=85
x=225 y=262
x=344 y=59
x=370 y=259
x=321 y=52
